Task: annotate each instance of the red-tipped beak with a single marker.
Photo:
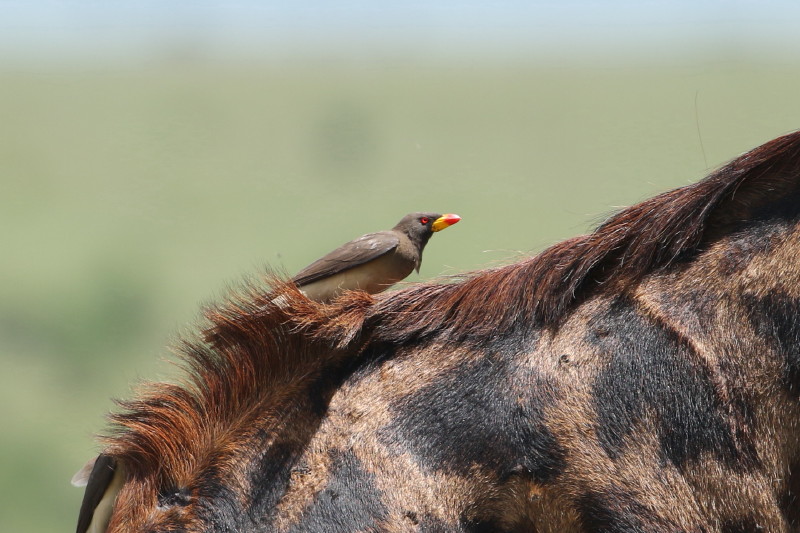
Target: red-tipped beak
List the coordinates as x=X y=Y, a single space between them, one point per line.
x=445 y=221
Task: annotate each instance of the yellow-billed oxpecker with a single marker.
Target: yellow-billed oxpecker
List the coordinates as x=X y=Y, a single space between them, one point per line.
x=375 y=261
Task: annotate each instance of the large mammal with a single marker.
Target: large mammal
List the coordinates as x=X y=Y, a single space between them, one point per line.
x=645 y=377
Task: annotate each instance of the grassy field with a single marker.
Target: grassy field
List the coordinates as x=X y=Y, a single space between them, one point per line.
x=129 y=197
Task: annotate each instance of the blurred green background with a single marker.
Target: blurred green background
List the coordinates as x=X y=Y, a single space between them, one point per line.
x=140 y=182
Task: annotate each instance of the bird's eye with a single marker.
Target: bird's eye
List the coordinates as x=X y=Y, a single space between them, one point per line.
x=424 y=220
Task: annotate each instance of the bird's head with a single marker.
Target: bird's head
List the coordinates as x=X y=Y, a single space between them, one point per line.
x=420 y=226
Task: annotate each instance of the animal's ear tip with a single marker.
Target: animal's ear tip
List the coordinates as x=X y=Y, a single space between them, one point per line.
x=81 y=477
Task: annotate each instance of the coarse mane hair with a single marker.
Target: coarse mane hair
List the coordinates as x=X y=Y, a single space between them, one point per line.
x=259 y=345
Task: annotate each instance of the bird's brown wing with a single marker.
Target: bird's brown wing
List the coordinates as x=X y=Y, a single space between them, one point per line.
x=354 y=253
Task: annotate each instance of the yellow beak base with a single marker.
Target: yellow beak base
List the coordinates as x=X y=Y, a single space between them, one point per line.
x=444 y=221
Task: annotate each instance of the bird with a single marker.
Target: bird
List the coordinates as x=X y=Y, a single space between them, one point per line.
x=373 y=262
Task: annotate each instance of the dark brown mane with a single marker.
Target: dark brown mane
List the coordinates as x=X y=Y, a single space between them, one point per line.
x=255 y=351
x=646 y=237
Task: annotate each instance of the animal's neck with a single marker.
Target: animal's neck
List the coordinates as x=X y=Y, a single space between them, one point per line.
x=420 y=241
x=736 y=306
